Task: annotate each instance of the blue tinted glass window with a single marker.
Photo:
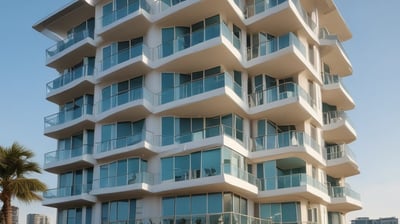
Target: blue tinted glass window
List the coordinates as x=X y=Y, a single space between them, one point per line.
x=167 y=168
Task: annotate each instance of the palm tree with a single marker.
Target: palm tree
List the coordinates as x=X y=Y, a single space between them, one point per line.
x=14 y=166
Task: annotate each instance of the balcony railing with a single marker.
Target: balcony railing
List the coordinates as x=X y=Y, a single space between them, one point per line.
x=132 y=7
x=171 y=47
x=162 y=5
x=124 y=55
x=68 y=42
x=205 y=133
x=68 y=115
x=197 y=87
x=124 y=98
x=339 y=151
x=209 y=218
x=284 y=139
x=340 y=192
x=332 y=117
x=189 y=174
x=79 y=72
x=274 y=45
x=123 y=180
x=281 y=92
x=61 y=155
x=122 y=142
x=325 y=35
x=67 y=191
x=256 y=7
x=290 y=181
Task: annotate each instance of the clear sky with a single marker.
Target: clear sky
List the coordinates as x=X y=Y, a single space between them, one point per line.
x=374 y=50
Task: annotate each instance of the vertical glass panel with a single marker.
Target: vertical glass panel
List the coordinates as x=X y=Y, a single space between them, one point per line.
x=212 y=27
x=168 y=206
x=123 y=131
x=228 y=202
x=121 y=172
x=270 y=174
x=167 y=41
x=199 y=204
x=113 y=211
x=167 y=134
x=107 y=14
x=197 y=128
x=167 y=94
x=215 y=203
x=271 y=136
x=196 y=164
x=77 y=145
x=182 y=164
x=123 y=50
x=184 y=133
x=182 y=37
x=104 y=176
x=106 y=136
x=123 y=211
x=289 y=212
x=182 y=205
x=132 y=212
x=211 y=162
x=239 y=127
x=104 y=212
x=167 y=168
x=227 y=124
x=197 y=33
x=212 y=126
x=88 y=219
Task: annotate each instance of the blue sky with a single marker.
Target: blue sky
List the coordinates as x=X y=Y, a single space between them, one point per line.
x=373 y=85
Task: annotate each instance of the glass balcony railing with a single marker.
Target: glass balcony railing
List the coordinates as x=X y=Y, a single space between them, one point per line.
x=339 y=151
x=68 y=42
x=77 y=73
x=61 y=155
x=124 y=55
x=183 y=42
x=68 y=115
x=132 y=7
x=67 y=191
x=122 y=142
x=289 y=181
x=208 y=132
x=123 y=180
x=187 y=174
x=255 y=7
x=341 y=192
x=274 y=45
x=209 y=218
x=284 y=139
x=325 y=35
x=197 y=87
x=281 y=92
x=162 y=5
x=332 y=117
x=124 y=98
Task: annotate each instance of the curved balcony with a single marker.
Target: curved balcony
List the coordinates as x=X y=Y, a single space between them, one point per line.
x=69 y=196
x=63 y=160
x=209 y=137
x=216 y=40
x=269 y=56
x=344 y=199
x=330 y=17
x=130 y=105
x=193 y=98
x=341 y=161
x=168 y=13
x=224 y=178
x=133 y=60
x=337 y=127
x=332 y=52
x=66 y=123
x=334 y=93
x=296 y=103
x=118 y=24
x=71 y=50
x=270 y=13
x=287 y=187
x=71 y=85
x=139 y=144
x=284 y=145
x=124 y=185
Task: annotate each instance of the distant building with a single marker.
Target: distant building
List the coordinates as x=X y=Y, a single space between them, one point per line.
x=37 y=219
x=366 y=220
x=14 y=215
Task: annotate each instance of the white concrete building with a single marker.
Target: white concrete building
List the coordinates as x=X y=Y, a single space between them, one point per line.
x=199 y=111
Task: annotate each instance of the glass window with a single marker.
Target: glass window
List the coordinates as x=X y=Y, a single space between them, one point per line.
x=167 y=94
x=168 y=206
x=215 y=203
x=182 y=205
x=182 y=164
x=88 y=215
x=199 y=204
x=212 y=27
x=211 y=162
x=167 y=134
x=167 y=168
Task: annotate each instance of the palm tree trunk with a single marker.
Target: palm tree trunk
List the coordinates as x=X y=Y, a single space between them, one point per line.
x=6 y=210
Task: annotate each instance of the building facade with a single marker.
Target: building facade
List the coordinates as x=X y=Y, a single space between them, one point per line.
x=37 y=219
x=367 y=220
x=15 y=215
x=199 y=111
